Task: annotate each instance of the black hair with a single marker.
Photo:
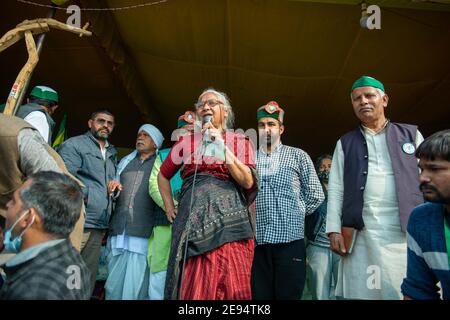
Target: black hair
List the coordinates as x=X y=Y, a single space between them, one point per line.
x=103 y=111
x=43 y=102
x=435 y=146
x=320 y=159
x=57 y=198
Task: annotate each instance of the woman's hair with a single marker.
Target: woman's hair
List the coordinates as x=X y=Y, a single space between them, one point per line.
x=222 y=97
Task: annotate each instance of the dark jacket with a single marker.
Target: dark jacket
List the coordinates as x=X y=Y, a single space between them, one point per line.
x=136 y=213
x=28 y=108
x=404 y=165
x=56 y=273
x=84 y=160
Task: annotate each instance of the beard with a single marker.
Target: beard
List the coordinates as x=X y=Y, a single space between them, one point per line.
x=432 y=194
x=102 y=135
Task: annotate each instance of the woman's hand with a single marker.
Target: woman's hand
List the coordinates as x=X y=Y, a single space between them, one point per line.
x=212 y=132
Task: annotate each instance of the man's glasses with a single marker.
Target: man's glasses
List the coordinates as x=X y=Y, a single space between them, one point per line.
x=211 y=103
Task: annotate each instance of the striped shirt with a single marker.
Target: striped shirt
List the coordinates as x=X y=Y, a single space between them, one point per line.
x=290 y=189
x=428 y=262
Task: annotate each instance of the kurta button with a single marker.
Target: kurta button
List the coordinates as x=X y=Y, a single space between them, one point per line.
x=365 y=172
x=365 y=157
x=362 y=188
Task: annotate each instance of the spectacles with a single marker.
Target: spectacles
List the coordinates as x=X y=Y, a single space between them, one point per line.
x=272 y=108
x=211 y=103
x=104 y=121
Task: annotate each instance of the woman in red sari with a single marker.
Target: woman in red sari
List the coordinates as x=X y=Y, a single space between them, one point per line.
x=215 y=214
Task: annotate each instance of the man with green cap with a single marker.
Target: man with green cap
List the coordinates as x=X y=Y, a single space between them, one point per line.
x=372 y=189
x=38 y=112
x=290 y=190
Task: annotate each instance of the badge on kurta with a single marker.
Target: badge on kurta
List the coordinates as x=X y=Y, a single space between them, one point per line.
x=408 y=148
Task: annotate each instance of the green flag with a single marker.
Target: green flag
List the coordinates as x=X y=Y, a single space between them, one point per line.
x=61 y=136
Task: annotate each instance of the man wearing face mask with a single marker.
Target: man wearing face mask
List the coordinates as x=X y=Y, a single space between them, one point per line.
x=133 y=220
x=92 y=159
x=24 y=152
x=39 y=218
x=322 y=268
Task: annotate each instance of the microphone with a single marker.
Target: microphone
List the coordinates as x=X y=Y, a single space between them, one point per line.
x=206 y=119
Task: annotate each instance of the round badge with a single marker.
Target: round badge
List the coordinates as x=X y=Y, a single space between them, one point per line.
x=408 y=148
x=272 y=108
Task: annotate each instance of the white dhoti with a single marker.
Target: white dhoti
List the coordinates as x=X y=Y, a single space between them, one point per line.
x=128 y=276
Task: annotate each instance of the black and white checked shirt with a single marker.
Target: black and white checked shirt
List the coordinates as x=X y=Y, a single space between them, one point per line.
x=290 y=189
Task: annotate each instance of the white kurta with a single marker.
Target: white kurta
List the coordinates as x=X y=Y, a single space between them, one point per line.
x=376 y=267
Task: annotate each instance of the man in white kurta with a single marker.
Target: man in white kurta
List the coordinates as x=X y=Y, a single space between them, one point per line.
x=377 y=265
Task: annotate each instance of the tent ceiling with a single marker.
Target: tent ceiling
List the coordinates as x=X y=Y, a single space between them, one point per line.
x=304 y=54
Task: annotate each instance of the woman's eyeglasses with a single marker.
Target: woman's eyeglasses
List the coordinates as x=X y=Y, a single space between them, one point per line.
x=210 y=102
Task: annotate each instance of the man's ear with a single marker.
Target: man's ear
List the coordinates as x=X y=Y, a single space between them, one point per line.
x=385 y=100
x=90 y=123
x=26 y=220
x=37 y=218
x=281 y=129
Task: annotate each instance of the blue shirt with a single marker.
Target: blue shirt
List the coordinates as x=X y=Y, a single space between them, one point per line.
x=427 y=254
x=289 y=190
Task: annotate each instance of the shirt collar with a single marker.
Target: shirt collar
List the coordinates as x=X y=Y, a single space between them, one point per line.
x=274 y=150
x=89 y=133
x=372 y=132
x=31 y=253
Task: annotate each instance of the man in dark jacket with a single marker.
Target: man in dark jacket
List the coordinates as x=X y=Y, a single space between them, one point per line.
x=134 y=217
x=40 y=216
x=42 y=104
x=92 y=159
x=373 y=186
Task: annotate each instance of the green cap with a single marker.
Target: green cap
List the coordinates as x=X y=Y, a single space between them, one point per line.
x=46 y=93
x=271 y=110
x=366 y=81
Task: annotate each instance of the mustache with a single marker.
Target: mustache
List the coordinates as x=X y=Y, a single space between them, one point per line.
x=104 y=128
x=426 y=186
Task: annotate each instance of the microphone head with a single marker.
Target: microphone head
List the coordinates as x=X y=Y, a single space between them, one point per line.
x=207 y=118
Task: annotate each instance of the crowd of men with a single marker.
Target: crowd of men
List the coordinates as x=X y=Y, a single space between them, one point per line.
x=369 y=222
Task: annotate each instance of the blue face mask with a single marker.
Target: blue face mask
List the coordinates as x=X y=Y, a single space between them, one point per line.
x=13 y=245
